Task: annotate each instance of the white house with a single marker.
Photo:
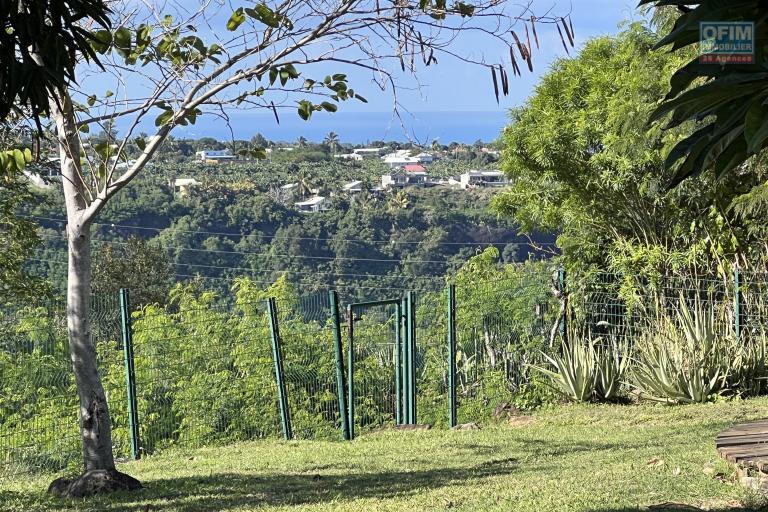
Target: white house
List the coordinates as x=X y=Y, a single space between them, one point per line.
x=214 y=155
x=472 y=179
x=425 y=158
x=353 y=186
x=182 y=186
x=350 y=156
x=368 y=152
x=313 y=205
x=405 y=178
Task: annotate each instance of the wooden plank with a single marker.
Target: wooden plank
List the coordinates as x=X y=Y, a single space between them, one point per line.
x=746 y=439
x=738 y=431
x=736 y=455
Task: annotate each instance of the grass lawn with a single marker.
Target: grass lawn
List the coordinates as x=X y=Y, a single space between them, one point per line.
x=569 y=458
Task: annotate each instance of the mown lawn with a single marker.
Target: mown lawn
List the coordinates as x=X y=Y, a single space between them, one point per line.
x=569 y=458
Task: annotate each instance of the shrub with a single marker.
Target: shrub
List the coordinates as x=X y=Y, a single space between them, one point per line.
x=683 y=358
x=587 y=370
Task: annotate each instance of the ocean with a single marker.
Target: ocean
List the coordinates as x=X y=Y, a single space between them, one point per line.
x=352 y=127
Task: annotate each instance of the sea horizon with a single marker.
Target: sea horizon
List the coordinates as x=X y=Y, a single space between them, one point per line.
x=352 y=127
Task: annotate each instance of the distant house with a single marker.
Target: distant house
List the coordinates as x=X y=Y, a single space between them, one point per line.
x=214 y=156
x=182 y=186
x=350 y=156
x=41 y=175
x=368 y=152
x=414 y=168
x=353 y=187
x=405 y=178
x=313 y=205
x=472 y=179
x=425 y=158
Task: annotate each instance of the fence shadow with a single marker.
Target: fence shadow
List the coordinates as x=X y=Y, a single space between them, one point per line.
x=225 y=491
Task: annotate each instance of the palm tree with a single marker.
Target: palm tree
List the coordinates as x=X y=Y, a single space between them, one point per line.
x=305 y=183
x=301 y=142
x=332 y=141
x=399 y=201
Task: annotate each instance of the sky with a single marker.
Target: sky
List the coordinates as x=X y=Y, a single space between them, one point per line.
x=451 y=101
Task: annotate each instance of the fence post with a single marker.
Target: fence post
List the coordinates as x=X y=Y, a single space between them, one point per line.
x=411 y=369
x=277 y=357
x=398 y=365
x=130 y=374
x=451 y=355
x=351 y=372
x=403 y=369
x=563 y=298
x=341 y=384
x=737 y=302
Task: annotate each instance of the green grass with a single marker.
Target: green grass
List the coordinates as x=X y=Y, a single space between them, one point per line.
x=570 y=458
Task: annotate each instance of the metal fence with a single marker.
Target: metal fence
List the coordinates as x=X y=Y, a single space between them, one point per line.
x=201 y=372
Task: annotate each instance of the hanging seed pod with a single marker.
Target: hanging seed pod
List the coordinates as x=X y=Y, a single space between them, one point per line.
x=504 y=81
x=567 y=31
x=274 y=111
x=431 y=56
x=528 y=41
x=562 y=39
x=535 y=35
x=570 y=24
x=495 y=83
x=515 y=67
x=520 y=46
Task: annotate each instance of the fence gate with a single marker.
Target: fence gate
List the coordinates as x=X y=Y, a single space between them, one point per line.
x=381 y=377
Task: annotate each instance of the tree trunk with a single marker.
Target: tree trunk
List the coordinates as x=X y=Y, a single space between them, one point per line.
x=99 y=473
x=95 y=427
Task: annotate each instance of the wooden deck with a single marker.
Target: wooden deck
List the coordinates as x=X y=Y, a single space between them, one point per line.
x=745 y=444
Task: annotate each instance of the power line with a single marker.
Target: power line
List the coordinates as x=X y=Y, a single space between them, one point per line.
x=269 y=283
x=241 y=253
x=283 y=237
x=335 y=274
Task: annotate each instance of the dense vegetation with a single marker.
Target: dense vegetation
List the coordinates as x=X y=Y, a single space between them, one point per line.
x=240 y=222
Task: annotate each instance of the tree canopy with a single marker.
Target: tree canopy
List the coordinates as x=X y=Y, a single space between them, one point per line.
x=583 y=162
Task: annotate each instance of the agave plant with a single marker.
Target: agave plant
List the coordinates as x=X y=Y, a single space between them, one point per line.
x=612 y=364
x=683 y=359
x=584 y=371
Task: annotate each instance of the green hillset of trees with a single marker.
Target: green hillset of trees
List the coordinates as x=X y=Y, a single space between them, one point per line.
x=239 y=222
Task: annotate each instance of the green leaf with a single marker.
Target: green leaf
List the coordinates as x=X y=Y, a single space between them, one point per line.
x=465 y=10
x=330 y=107
x=91 y=100
x=28 y=155
x=237 y=18
x=261 y=12
x=357 y=96
x=101 y=40
x=122 y=39
x=756 y=126
x=305 y=109
x=18 y=158
x=164 y=117
x=141 y=143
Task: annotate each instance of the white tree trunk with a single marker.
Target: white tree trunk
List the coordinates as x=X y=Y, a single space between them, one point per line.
x=95 y=425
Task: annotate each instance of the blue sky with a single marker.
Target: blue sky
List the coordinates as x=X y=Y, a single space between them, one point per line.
x=449 y=87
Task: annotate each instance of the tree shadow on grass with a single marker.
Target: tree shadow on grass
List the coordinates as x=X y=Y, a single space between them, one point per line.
x=225 y=491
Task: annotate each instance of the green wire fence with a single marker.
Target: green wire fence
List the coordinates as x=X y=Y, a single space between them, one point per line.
x=279 y=363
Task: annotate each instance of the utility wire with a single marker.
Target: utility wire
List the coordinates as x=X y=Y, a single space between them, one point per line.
x=241 y=253
x=311 y=273
x=282 y=237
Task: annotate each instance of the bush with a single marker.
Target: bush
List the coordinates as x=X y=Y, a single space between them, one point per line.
x=683 y=358
x=586 y=370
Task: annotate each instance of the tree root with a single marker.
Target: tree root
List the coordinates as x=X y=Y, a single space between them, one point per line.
x=97 y=481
